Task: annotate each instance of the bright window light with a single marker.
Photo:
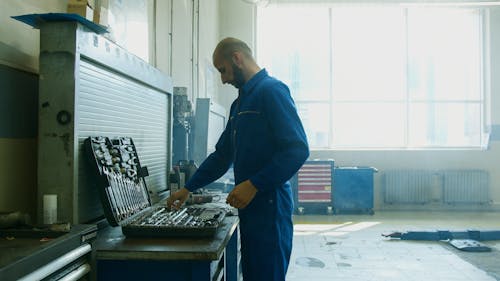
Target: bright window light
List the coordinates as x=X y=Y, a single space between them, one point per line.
x=379 y=77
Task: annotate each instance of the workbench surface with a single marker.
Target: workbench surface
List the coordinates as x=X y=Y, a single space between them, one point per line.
x=111 y=244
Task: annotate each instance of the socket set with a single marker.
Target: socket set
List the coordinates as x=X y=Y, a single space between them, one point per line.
x=190 y=221
x=125 y=198
x=120 y=177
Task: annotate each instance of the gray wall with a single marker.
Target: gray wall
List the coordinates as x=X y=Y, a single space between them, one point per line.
x=19 y=43
x=18 y=131
x=186 y=34
x=236 y=20
x=19 y=48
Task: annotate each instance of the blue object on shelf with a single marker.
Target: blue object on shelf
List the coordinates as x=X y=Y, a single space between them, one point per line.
x=35 y=20
x=353 y=190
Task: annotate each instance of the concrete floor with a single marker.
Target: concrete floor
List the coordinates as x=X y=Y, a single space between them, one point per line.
x=351 y=247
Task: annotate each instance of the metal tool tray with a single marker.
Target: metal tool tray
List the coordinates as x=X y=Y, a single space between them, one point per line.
x=158 y=221
x=125 y=198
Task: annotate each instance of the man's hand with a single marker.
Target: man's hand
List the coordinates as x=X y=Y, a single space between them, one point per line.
x=241 y=195
x=178 y=198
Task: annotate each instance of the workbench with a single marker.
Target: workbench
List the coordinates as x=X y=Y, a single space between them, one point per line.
x=33 y=256
x=195 y=259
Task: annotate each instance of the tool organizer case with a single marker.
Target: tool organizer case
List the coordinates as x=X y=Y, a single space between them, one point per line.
x=125 y=198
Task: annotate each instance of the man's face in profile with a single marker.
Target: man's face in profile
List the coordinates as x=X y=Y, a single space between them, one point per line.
x=230 y=73
x=238 y=79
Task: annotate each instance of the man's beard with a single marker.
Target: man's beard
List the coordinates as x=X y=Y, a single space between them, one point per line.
x=238 y=79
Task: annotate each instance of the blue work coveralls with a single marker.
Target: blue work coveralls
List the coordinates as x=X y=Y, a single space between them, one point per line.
x=265 y=142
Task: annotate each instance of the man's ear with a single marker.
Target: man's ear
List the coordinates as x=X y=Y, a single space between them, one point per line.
x=237 y=58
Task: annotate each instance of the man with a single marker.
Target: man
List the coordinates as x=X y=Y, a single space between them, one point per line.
x=265 y=142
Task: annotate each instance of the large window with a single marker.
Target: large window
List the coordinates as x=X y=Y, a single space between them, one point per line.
x=129 y=22
x=379 y=77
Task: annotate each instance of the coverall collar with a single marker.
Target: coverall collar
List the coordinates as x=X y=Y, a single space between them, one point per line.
x=248 y=86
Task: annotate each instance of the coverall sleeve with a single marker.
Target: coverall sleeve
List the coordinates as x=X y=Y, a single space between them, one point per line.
x=215 y=165
x=289 y=135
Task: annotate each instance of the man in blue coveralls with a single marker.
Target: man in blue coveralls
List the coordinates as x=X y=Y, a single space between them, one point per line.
x=265 y=142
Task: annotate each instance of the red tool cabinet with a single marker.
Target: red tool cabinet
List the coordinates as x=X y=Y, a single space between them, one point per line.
x=312 y=187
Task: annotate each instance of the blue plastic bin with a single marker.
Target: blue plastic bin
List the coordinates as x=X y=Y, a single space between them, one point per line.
x=353 y=190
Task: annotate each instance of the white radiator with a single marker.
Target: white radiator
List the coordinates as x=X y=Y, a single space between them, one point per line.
x=466 y=187
x=408 y=186
x=447 y=186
